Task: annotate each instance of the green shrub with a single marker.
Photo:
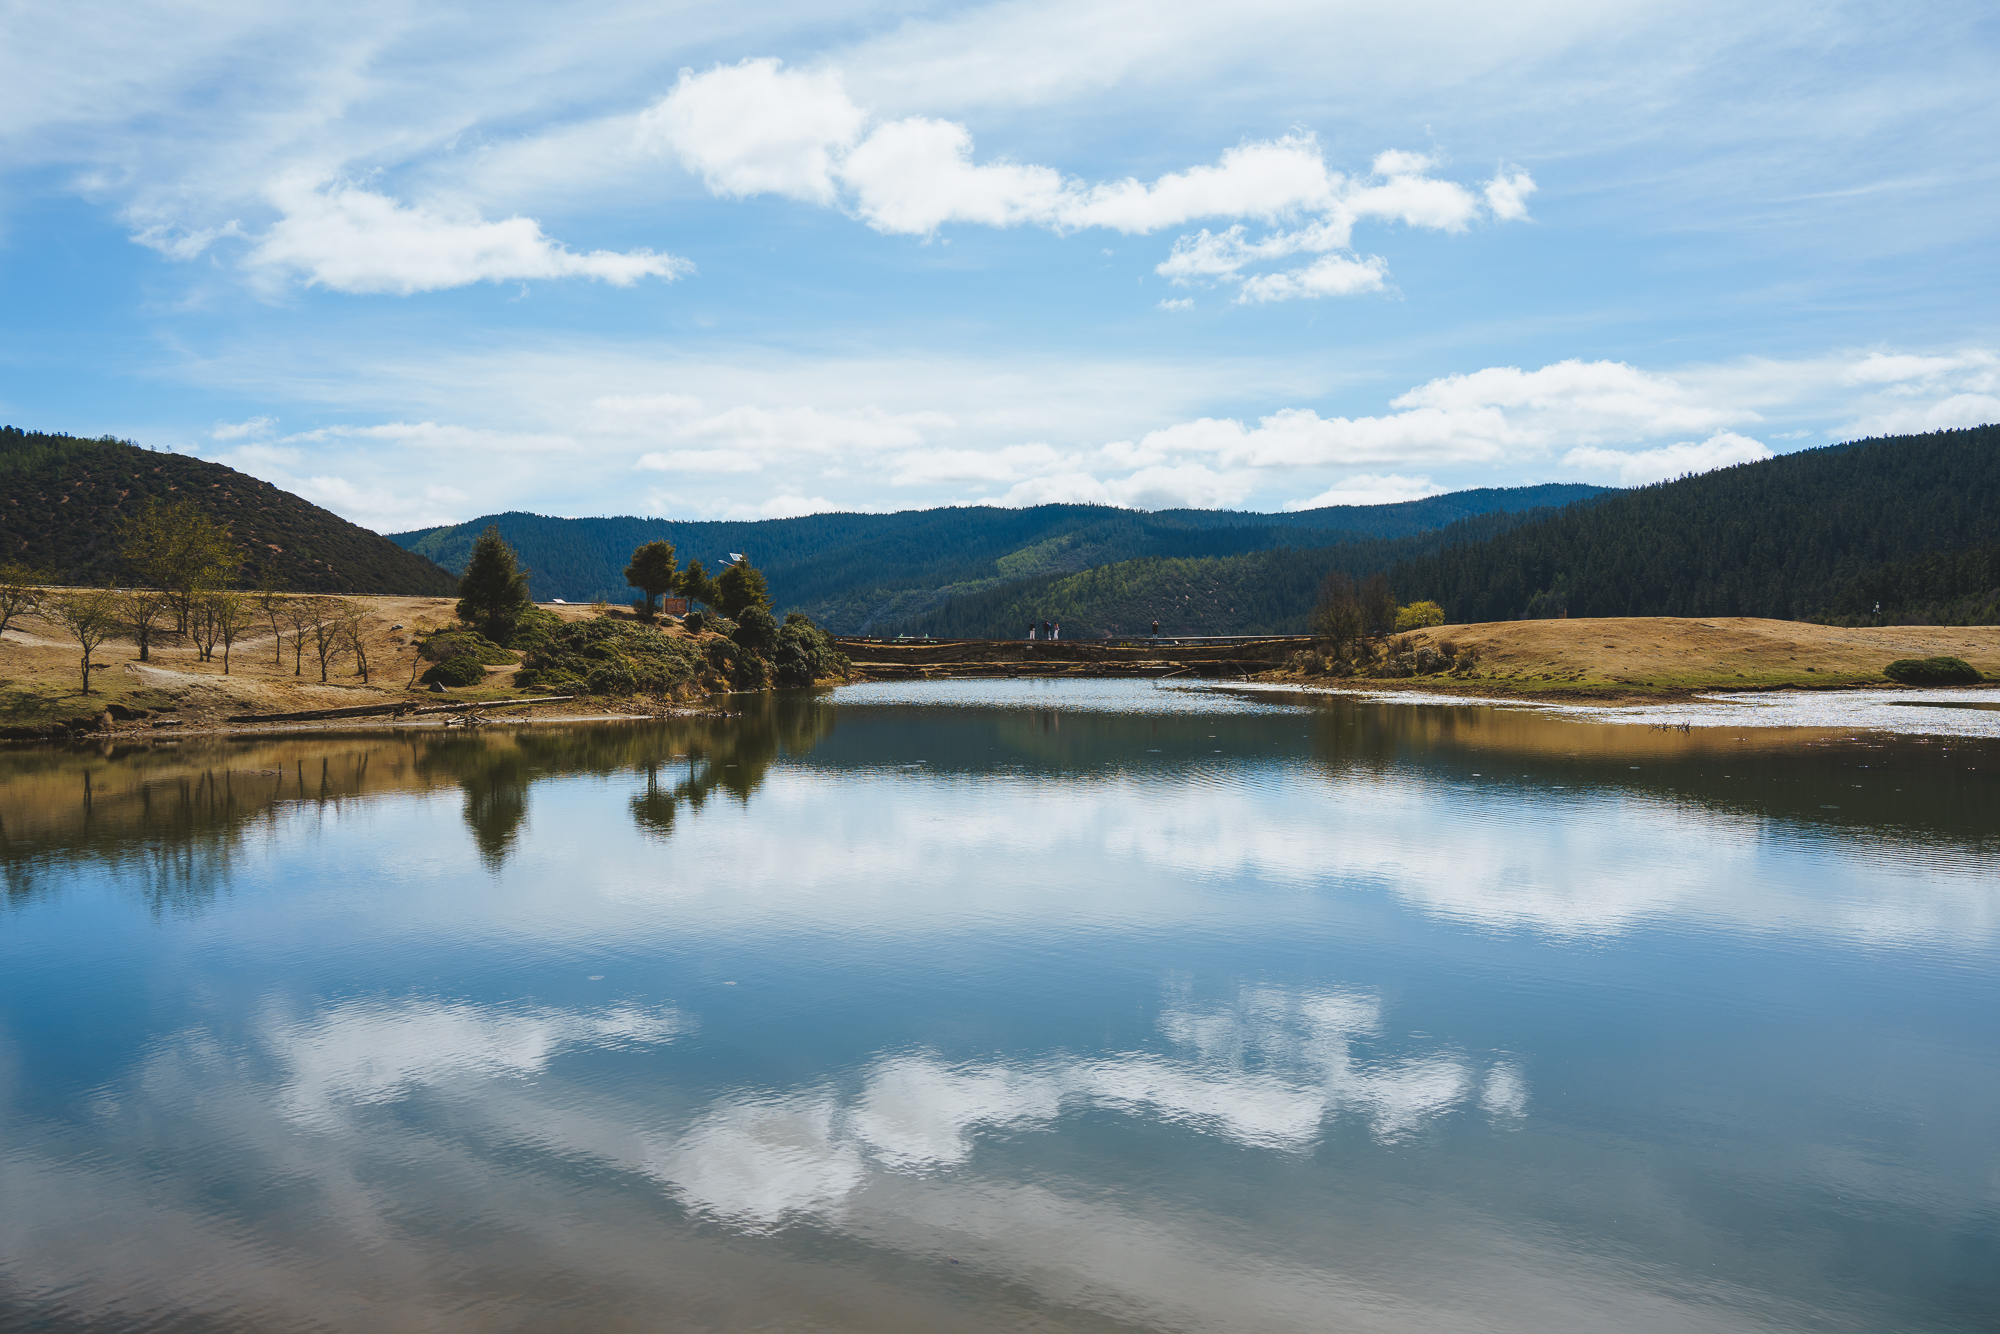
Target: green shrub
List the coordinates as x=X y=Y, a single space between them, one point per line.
x=737 y=665
x=534 y=628
x=1933 y=672
x=757 y=630
x=1419 y=615
x=694 y=622
x=463 y=670
x=805 y=653
x=608 y=657
x=444 y=645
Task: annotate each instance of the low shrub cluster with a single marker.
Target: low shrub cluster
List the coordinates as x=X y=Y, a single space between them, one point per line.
x=459 y=657
x=602 y=656
x=804 y=653
x=1933 y=672
x=1392 y=658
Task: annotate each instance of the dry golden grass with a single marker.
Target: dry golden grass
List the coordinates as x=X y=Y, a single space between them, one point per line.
x=40 y=680
x=1648 y=656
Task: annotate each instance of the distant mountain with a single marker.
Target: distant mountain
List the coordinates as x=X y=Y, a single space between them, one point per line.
x=858 y=572
x=1782 y=538
x=62 y=499
x=1262 y=592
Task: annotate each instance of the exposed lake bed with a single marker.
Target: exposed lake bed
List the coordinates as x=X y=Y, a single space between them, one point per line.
x=1000 y=1004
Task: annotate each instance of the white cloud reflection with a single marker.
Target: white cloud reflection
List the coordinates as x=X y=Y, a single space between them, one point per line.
x=1266 y=1072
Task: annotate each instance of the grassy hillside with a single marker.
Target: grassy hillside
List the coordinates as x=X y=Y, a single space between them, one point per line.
x=854 y=572
x=1779 y=539
x=1263 y=592
x=62 y=499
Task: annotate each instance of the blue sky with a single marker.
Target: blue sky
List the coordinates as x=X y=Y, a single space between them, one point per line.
x=420 y=263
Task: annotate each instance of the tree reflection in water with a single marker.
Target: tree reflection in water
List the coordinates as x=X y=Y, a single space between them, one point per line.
x=172 y=819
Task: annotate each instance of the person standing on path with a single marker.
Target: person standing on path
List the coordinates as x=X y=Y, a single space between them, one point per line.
x=1057 y=632
x=1031 y=629
x=1156 y=627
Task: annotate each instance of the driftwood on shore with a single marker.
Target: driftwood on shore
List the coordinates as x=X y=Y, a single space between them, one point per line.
x=398 y=710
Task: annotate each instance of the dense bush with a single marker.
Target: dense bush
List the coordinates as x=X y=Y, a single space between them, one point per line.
x=1933 y=672
x=606 y=657
x=533 y=629
x=737 y=665
x=757 y=630
x=463 y=670
x=805 y=654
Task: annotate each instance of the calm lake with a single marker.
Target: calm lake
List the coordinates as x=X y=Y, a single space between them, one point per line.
x=1006 y=1005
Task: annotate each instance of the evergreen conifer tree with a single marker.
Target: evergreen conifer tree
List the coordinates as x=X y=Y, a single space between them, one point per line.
x=652 y=572
x=493 y=592
x=741 y=587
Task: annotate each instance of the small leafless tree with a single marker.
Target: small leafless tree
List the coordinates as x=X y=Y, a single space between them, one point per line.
x=201 y=623
x=145 y=612
x=20 y=590
x=299 y=615
x=271 y=604
x=229 y=614
x=351 y=617
x=328 y=641
x=90 y=615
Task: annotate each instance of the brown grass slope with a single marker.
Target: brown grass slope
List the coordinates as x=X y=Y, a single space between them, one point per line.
x=62 y=501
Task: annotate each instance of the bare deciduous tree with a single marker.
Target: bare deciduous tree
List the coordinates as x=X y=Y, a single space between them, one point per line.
x=328 y=641
x=228 y=615
x=299 y=615
x=20 y=590
x=352 y=616
x=271 y=602
x=144 y=612
x=91 y=617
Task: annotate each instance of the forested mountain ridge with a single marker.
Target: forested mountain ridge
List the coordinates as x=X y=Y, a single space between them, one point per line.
x=855 y=572
x=1260 y=592
x=1780 y=538
x=1943 y=588
x=62 y=500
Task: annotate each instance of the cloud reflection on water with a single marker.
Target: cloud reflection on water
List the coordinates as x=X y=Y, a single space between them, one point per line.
x=1265 y=1073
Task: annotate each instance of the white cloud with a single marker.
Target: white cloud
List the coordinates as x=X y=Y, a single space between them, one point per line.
x=757 y=128
x=352 y=240
x=1177 y=303
x=1958 y=410
x=1507 y=194
x=178 y=243
x=1371 y=489
x=1637 y=467
x=1330 y=275
x=239 y=430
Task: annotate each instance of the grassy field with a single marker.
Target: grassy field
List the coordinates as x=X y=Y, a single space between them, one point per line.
x=1652 y=656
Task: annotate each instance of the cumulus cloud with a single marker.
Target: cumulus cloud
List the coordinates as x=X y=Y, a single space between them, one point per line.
x=1330 y=275
x=1637 y=467
x=352 y=240
x=1507 y=194
x=1371 y=489
x=758 y=128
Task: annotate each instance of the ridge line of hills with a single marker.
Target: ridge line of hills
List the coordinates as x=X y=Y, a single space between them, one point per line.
x=1897 y=529
x=856 y=573
x=62 y=499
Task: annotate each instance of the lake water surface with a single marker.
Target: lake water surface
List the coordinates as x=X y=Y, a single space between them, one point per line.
x=1006 y=1005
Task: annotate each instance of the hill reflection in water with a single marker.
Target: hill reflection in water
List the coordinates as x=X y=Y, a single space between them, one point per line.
x=1003 y=1005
